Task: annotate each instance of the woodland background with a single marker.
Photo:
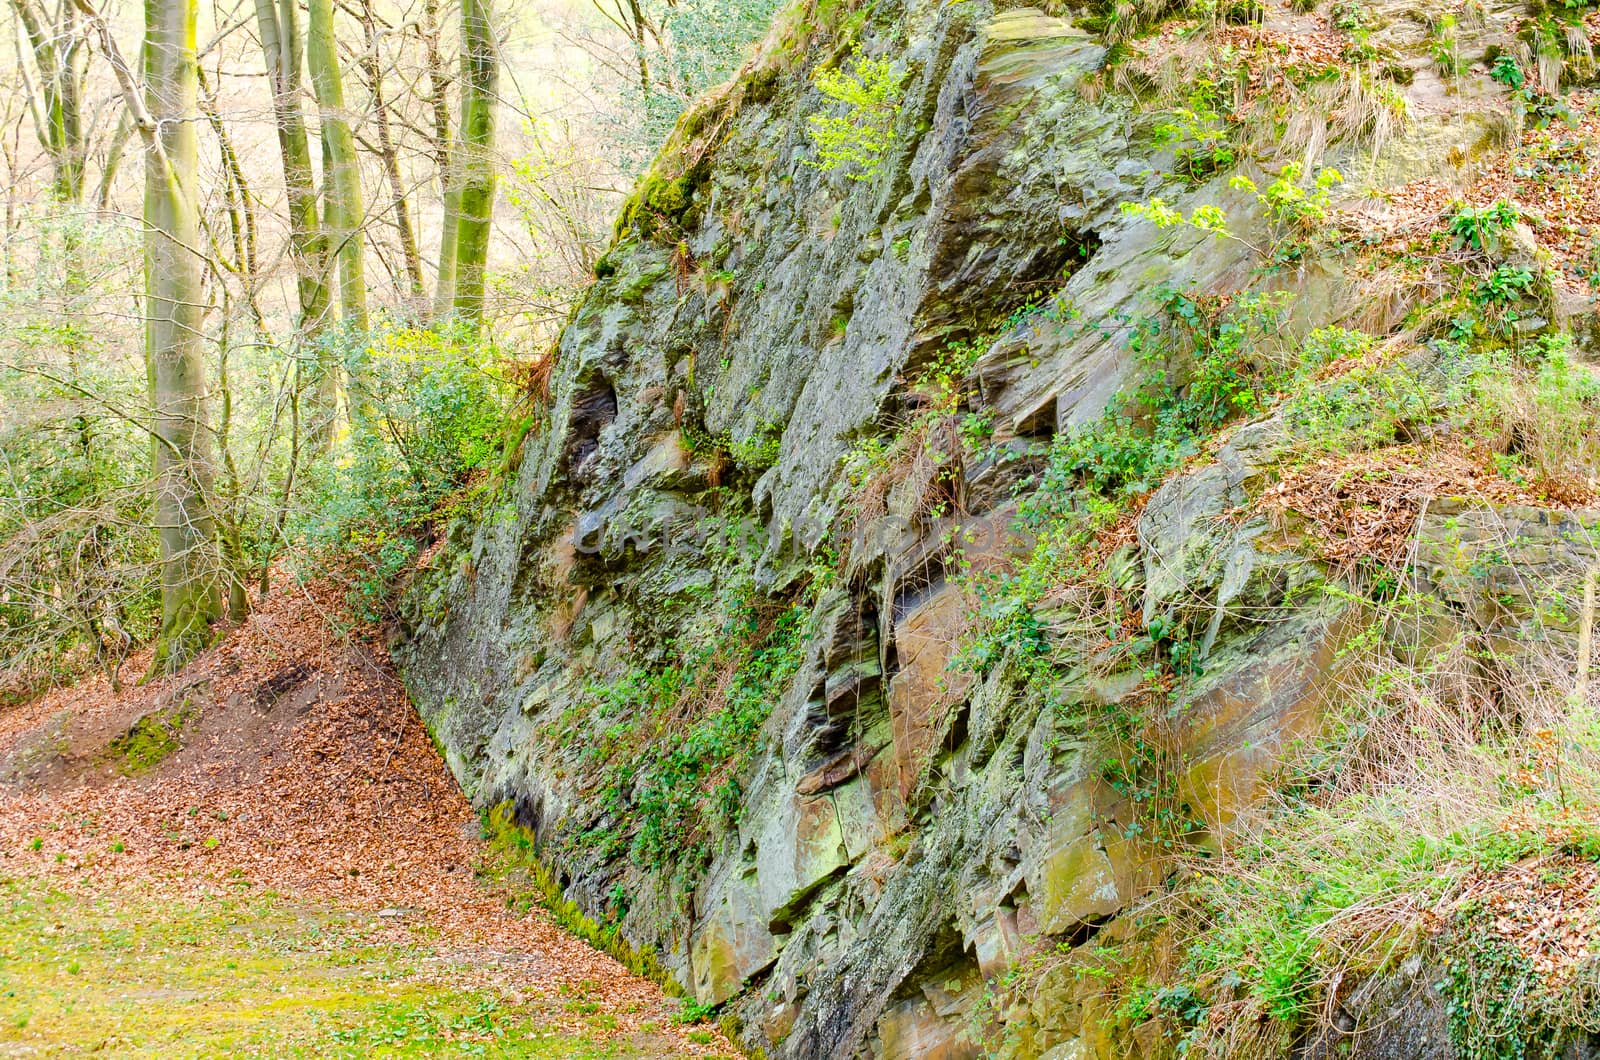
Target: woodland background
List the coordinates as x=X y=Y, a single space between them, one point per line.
x=270 y=299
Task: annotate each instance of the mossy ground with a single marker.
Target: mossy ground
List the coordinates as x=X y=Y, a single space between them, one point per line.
x=141 y=974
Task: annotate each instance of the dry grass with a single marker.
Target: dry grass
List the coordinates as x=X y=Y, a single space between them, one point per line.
x=1460 y=774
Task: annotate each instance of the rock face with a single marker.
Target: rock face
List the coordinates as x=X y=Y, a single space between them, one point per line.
x=901 y=825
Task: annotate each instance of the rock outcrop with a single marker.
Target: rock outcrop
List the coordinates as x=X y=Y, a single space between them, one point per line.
x=894 y=824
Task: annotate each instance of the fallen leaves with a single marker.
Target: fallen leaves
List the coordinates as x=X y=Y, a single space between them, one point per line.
x=306 y=771
x=1543 y=908
x=1548 y=175
x=1366 y=505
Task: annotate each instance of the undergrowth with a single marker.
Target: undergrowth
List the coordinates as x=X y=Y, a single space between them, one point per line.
x=674 y=742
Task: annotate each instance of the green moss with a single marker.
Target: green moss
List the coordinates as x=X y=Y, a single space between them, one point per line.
x=151 y=739
x=632 y=288
x=516 y=432
x=517 y=860
x=662 y=199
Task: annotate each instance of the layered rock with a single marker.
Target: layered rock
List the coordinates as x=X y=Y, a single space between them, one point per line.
x=908 y=827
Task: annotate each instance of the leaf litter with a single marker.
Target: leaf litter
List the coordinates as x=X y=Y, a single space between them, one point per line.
x=302 y=769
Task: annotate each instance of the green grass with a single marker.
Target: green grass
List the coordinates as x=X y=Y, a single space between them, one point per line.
x=256 y=975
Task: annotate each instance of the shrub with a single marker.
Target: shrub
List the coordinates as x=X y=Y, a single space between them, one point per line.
x=856 y=141
x=424 y=418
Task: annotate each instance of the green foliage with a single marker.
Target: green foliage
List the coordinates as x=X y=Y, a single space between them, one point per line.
x=1540 y=107
x=1545 y=401
x=1446 y=45
x=1202 y=365
x=1368 y=406
x=675 y=740
x=1203 y=147
x=1295 y=210
x=1491 y=989
x=1506 y=285
x=1480 y=227
x=1205 y=218
x=857 y=139
x=77 y=557
x=426 y=419
x=1508 y=71
x=759 y=451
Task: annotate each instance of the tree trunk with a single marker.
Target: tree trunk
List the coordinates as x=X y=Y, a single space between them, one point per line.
x=474 y=166
x=342 y=213
x=59 y=120
x=391 y=157
x=439 y=103
x=190 y=585
x=278 y=23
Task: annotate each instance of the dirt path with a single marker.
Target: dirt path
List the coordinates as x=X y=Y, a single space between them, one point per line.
x=288 y=760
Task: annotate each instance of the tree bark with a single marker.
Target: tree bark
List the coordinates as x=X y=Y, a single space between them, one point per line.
x=56 y=48
x=443 y=152
x=473 y=164
x=278 y=22
x=191 y=599
x=342 y=212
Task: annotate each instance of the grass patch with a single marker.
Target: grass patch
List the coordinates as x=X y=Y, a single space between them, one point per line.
x=142 y=975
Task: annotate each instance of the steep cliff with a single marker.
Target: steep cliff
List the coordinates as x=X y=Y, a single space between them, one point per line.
x=919 y=566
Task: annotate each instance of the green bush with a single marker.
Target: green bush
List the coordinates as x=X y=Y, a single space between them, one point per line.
x=424 y=418
x=856 y=140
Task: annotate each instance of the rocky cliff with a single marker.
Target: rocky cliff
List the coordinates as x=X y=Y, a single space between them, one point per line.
x=919 y=565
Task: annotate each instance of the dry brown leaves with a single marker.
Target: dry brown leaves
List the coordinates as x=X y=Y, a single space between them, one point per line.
x=1549 y=176
x=333 y=791
x=1307 y=50
x=1269 y=56
x=1544 y=908
x=1366 y=505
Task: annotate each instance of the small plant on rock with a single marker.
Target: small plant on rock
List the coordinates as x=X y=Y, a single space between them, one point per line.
x=1202 y=141
x=1478 y=227
x=1295 y=209
x=857 y=140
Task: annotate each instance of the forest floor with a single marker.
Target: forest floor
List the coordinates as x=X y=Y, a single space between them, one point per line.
x=265 y=856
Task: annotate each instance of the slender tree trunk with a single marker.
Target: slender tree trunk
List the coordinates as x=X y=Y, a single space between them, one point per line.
x=230 y=536
x=342 y=213
x=278 y=23
x=58 y=119
x=474 y=167
x=439 y=102
x=108 y=171
x=391 y=157
x=637 y=25
x=190 y=586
